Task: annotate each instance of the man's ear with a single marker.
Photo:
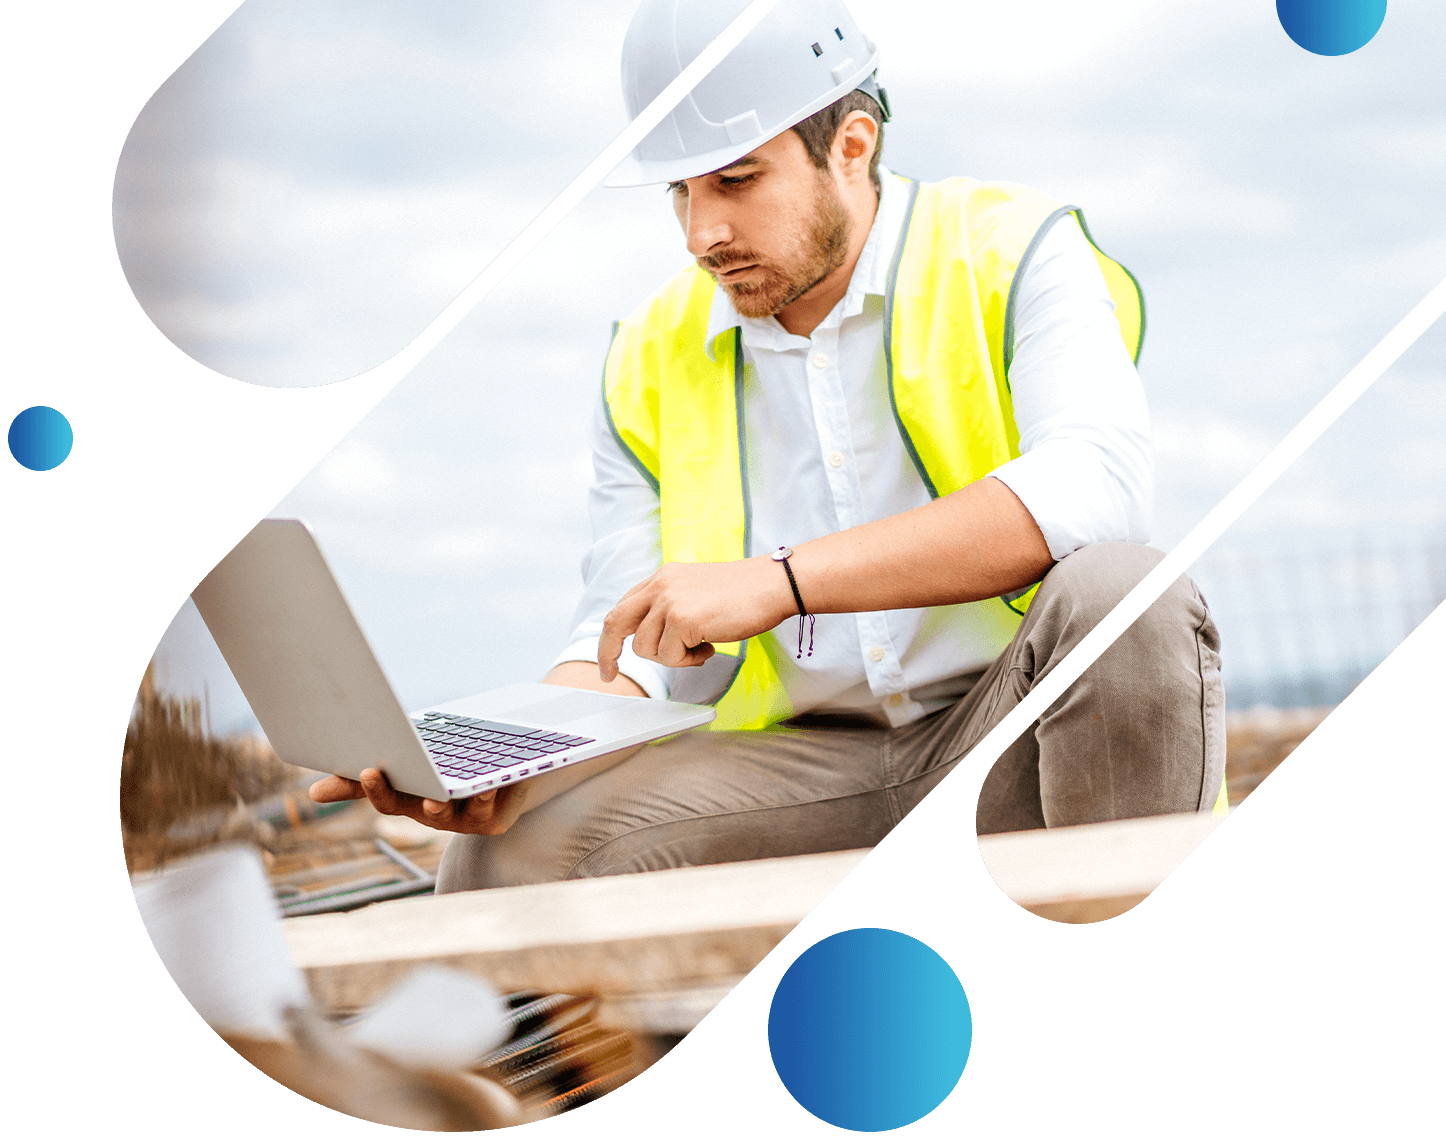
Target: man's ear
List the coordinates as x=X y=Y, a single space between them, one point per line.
x=853 y=145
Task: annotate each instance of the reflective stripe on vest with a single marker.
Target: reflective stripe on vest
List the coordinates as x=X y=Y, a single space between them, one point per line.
x=677 y=414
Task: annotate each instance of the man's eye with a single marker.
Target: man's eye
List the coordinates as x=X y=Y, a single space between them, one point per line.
x=740 y=180
x=677 y=187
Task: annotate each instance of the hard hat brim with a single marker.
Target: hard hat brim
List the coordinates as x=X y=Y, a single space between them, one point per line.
x=633 y=171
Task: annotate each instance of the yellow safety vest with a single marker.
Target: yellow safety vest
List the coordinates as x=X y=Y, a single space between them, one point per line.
x=948 y=341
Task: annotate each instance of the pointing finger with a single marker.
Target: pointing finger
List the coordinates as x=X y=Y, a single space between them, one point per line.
x=621 y=622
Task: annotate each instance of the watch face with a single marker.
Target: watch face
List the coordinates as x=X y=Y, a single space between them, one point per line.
x=782 y=552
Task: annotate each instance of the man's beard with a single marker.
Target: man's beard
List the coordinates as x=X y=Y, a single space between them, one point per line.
x=823 y=250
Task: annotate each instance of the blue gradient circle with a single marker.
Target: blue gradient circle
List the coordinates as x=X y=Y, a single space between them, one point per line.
x=40 y=438
x=1331 y=27
x=869 y=1029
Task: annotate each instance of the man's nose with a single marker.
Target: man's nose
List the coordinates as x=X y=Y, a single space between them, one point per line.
x=708 y=228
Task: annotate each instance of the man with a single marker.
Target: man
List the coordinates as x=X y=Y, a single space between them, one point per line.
x=832 y=462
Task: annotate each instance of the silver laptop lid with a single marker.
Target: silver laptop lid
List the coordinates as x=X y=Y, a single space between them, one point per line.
x=284 y=627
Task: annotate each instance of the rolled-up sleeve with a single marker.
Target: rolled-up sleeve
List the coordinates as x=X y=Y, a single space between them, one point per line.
x=626 y=548
x=1086 y=468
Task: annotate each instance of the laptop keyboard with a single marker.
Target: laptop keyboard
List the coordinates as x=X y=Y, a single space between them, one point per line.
x=465 y=748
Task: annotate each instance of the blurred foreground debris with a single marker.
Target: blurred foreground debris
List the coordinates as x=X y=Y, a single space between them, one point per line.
x=659 y=949
x=556 y=1059
x=408 y=1060
x=317 y=1061
x=639 y=960
x=221 y=839
x=349 y=858
x=181 y=789
x=184 y=790
x=559 y=1057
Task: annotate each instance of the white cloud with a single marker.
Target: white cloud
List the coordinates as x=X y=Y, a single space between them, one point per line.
x=1021 y=45
x=360 y=475
x=1167 y=185
x=1204 y=450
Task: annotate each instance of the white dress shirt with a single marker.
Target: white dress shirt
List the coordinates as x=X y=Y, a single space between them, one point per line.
x=824 y=454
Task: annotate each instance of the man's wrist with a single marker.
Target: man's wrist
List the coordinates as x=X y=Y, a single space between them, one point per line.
x=781 y=604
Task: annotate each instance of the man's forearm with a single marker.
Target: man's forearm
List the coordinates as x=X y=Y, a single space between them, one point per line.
x=977 y=542
x=584 y=675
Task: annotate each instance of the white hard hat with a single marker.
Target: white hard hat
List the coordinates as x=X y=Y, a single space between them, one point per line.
x=805 y=55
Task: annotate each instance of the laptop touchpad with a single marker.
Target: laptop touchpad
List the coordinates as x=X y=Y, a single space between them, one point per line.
x=565 y=707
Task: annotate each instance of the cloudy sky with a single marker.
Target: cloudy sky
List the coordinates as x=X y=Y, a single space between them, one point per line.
x=319 y=179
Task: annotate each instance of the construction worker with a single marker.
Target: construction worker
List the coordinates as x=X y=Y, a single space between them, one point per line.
x=863 y=474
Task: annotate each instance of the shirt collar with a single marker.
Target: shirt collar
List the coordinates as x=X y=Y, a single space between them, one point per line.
x=870 y=277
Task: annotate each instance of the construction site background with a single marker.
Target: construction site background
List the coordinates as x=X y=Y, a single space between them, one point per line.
x=1302 y=624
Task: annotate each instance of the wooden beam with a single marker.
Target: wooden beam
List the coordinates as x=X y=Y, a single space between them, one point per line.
x=656 y=933
x=1111 y=865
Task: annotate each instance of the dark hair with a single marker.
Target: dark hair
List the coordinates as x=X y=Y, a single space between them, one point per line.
x=819 y=130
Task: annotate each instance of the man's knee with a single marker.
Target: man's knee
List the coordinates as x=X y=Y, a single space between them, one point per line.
x=1089 y=583
x=1094 y=579
x=599 y=827
x=480 y=862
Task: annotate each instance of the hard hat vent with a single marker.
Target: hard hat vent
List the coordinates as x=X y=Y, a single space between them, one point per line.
x=743 y=127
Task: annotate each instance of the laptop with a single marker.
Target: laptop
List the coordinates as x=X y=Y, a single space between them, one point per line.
x=282 y=623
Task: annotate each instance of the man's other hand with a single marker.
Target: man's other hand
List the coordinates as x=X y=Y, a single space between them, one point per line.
x=488 y=813
x=678 y=614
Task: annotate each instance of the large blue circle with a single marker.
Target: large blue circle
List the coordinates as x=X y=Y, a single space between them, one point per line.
x=40 y=438
x=869 y=1029
x=1331 y=27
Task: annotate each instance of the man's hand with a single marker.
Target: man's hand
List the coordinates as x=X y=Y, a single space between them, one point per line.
x=677 y=615
x=488 y=813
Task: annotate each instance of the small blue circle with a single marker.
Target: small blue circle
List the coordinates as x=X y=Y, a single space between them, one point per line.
x=1331 y=27
x=869 y=1029
x=40 y=438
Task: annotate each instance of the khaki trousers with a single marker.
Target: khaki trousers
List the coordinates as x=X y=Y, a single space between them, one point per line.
x=1141 y=733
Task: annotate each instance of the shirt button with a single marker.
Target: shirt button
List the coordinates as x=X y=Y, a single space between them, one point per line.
x=820 y=360
x=876 y=653
x=836 y=459
x=895 y=700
